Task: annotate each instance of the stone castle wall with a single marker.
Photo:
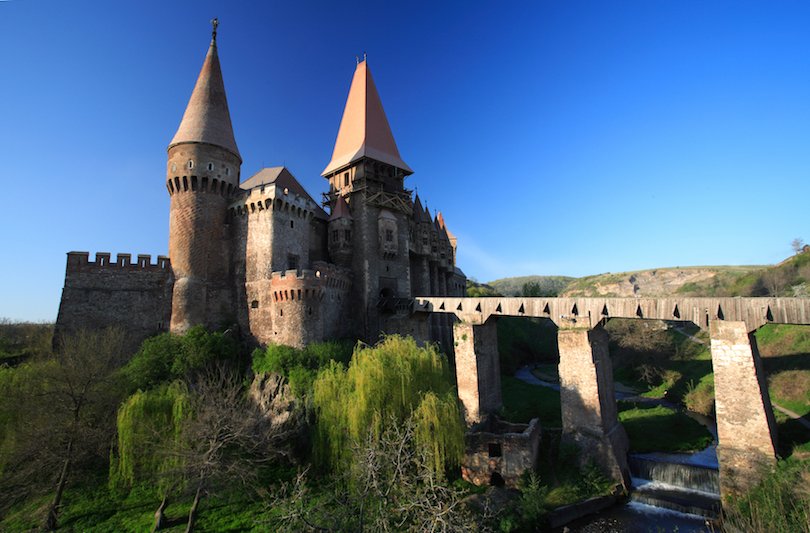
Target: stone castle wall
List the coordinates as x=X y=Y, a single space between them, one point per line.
x=134 y=295
x=305 y=306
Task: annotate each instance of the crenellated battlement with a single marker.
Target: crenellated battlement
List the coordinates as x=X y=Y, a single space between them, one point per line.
x=80 y=262
x=302 y=283
x=271 y=197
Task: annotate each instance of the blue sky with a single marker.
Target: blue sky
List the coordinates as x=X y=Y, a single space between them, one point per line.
x=556 y=137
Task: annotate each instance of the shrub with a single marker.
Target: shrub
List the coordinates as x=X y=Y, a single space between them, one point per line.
x=700 y=398
x=300 y=366
x=166 y=357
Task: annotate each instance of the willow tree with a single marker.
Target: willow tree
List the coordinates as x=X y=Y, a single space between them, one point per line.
x=149 y=423
x=393 y=382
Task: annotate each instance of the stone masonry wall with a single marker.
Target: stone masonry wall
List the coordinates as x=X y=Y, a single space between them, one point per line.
x=135 y=296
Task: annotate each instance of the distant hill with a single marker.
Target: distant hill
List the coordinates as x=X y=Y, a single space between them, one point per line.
x=541 y=285
x=791 y=277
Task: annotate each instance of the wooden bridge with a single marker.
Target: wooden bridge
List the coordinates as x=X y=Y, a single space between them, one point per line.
x=745 y=423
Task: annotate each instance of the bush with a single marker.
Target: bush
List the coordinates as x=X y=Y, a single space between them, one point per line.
x=300 y=366
x=167 y=357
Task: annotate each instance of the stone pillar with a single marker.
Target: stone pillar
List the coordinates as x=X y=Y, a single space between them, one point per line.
x=478 y=372
x=588 y=403
x=746 y=428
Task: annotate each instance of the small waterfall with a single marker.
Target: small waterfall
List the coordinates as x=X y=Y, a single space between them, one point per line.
x=685 y=476
x=686 y=488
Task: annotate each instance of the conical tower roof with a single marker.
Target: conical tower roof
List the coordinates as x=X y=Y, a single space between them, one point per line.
x=442 y=224
x=207 y=119
x=341 y=210
x=426 y=215
x=364 y=129
x=417 y=209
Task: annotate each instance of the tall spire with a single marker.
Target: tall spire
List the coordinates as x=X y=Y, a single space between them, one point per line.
x=364 y=129
x=207 y=119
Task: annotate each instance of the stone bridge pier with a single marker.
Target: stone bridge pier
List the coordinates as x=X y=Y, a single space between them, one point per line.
x=745 y=423
x=588 y=402
x=589 y=415
x=746 y=428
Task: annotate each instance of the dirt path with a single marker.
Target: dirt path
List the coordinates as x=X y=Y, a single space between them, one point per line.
x=795 y=416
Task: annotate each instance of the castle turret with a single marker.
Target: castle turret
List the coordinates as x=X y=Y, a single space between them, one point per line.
x=367 y=171
x=202 y=174
x=340 y=233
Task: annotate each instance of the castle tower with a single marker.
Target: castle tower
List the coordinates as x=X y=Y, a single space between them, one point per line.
x=367 y=172
x=202 y=174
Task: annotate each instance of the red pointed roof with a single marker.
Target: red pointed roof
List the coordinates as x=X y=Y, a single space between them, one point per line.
x=364 y=129
x=341 y=210
x=440 y=220
x=207 y=119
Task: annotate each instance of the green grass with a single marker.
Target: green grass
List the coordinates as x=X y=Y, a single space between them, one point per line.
x=93 y=508
x=783 y=339
x=522 y=402
x=779 y=504
x=659 y=428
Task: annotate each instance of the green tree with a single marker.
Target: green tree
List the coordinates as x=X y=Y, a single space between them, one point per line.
x=63 y=420
x=391 y=383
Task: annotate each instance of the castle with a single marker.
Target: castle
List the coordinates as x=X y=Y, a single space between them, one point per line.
x=262 y=254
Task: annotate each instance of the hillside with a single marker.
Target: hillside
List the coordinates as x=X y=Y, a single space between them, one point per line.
x=662 y=282
x=788 y=278
x=537 y=285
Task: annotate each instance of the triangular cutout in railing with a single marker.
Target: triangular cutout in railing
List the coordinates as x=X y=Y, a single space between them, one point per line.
x=546 y=310
x=605 y=310
x=720 y=314
x=676 y=312
x=521 y=310
x=459 y=307
x=498 y=309
x=639 y=312
x=574 y=310
x=769 y=314
x=441 y=307
x=478 y=307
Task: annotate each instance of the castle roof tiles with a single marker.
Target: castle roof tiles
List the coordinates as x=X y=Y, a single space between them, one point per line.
x=341 y=210
x=207 y=118
x=364 y=129
x=282 y=179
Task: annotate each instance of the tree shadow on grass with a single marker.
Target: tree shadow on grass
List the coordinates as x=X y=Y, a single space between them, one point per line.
x=792 y=434
x=799 y=361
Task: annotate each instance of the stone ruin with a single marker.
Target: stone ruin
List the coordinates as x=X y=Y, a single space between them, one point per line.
x=498 y=452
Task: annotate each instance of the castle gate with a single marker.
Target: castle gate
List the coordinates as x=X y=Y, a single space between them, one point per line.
x=745 y=423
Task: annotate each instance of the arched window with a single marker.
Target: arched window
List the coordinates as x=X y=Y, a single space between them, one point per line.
x=190 y=164
x=174 y=167
x=227 y=171
x=210 y=166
